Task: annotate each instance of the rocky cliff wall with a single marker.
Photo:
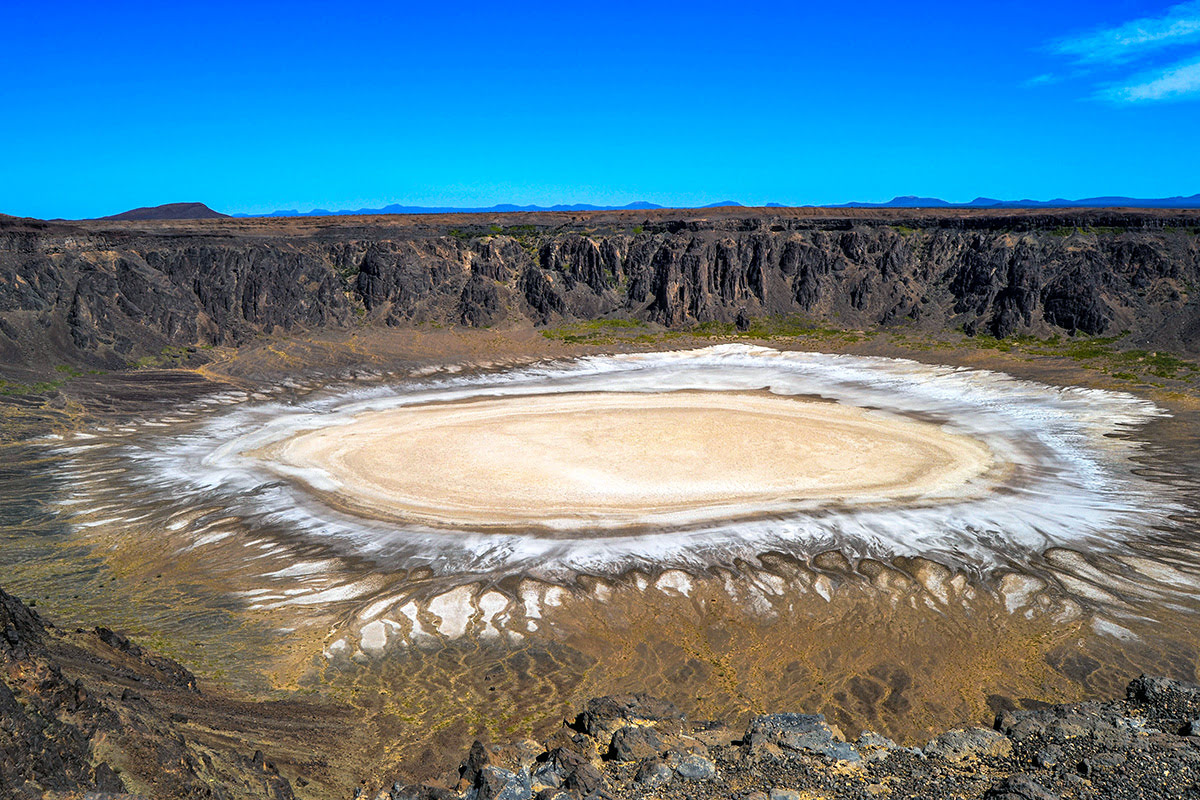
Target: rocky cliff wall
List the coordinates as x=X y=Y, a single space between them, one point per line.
x=107 y=293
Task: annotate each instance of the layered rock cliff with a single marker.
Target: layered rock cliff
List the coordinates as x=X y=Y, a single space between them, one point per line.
x=107 y=292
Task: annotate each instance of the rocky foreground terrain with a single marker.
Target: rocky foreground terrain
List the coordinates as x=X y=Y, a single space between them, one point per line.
x=91 y=713
x=106 y=292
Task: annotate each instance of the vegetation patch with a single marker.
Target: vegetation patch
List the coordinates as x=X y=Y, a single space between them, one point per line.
x=596 y=331
x=1100 y=353
x=1089 y=230
x=611 y=331
x=170 y=356
x=791 y=327
x=1103 y=353
x=19 y=388
x=33 y=388
x=515 y=231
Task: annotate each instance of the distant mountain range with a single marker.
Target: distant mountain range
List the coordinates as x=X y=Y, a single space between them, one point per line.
x=201 y=211
x=909 y=201
x=497 y=209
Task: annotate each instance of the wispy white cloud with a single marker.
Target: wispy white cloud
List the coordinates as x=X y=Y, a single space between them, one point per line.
x=1179 y=24
x=1041 y=80
x=1173 y=83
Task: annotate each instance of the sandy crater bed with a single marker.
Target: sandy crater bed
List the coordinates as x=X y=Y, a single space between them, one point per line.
x=607 y=460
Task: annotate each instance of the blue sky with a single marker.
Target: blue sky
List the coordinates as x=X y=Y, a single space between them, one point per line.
x=253 y=107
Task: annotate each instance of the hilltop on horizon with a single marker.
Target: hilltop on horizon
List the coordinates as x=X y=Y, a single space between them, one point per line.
x=170 y=211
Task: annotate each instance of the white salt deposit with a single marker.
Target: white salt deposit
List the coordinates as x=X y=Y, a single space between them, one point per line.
x=1068 y=480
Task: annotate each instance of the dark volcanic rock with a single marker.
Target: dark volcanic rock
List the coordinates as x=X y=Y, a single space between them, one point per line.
x=477 y=758
x=652 y=773
x=1083 y=750
x=695 y=768
x=1019 y=787
x=39 y=751
x=50 y=724
x=495 y=783
x=563 y=768
x=168 y=671
x=962 y=744
x=112 y=292
x=41 y=748
x=634 y=743
x=1171 y=704
x=21 y=627
x=479 y=303
x=781 y=734
x=605 y=715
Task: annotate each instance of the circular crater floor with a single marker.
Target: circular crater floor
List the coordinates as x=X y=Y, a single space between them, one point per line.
x=612 y=460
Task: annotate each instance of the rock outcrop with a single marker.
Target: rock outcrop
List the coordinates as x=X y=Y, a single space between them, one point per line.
x=1139 y=747
x=102 y=717
x=92 y=713
x=108 y=292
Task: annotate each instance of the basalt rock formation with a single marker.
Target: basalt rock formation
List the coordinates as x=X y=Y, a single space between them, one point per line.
x=106 y=292
x=90 y=713
x=1143 y=746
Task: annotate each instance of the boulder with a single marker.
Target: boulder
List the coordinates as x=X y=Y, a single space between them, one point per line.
x=477 y=758
x=1019 y=787
x=1165 y=700
x=961 y=744
x=563 y=768
x=873 y=747
x=634 y=743
x=604 y=716
x=495 y=783
x=694 y=767
x=652 y=773
x=784 y=734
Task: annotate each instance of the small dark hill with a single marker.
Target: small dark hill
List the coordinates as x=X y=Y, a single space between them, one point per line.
x=171 y=211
